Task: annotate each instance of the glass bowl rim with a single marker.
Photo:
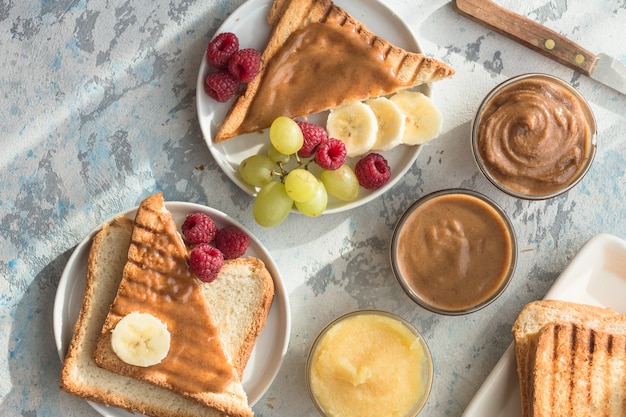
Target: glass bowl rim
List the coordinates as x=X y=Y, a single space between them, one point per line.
x=440 y=193
x=593 y=143
x=418 y=406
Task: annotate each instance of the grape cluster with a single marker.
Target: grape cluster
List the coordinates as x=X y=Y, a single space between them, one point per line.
x=286 y=179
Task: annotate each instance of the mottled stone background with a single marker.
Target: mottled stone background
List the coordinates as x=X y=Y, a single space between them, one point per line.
x=98 y=111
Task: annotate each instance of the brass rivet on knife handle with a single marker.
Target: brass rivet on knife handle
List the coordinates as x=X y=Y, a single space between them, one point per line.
x=529 y=33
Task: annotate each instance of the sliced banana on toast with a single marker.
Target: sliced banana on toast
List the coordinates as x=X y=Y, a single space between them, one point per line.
x=140 y=339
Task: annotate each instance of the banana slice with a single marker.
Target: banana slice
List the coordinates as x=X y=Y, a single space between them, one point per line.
x=391 y=123
x=355 y=125
x=423 y=120
x=140 y=339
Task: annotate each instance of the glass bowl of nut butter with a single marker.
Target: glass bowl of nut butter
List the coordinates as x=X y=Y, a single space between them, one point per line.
x=453 y=251
x=534 y=136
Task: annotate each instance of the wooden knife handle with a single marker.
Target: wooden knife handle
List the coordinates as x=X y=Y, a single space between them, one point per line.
x=529 y=33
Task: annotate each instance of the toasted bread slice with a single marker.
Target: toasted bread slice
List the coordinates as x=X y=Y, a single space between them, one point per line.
x=318 y=58
x=157 y=280
x=241 y=301
x=530 y=322
x=579 y=371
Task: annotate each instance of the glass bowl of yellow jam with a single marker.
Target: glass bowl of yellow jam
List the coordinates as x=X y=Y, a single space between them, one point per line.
x=369 y=363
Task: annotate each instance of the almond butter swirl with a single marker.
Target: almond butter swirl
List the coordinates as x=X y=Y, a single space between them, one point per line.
x=534 y=136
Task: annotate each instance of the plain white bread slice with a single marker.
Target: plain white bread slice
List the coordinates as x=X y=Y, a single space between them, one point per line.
x=249 y=290
x=81 y=376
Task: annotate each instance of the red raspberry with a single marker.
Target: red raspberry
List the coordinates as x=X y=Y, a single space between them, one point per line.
x=221 y=86
x=331 y=154
x=221 y=49
x=206 y=261
x=313 y=136
x=372 y=171
x=245 y=65
x=199 y=228
x=232 y=242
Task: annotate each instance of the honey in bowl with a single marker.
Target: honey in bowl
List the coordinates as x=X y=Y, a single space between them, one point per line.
x=453 y=251
x=534 y=136
x=369 y=363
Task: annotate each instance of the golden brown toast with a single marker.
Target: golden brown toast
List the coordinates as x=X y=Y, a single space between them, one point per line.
x=530 y=326
x=157 y=280
x=319 y=57
x=240 y=299
x=578 y=371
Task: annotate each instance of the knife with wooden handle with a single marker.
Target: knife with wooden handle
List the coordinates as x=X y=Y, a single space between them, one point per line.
x=601 y=67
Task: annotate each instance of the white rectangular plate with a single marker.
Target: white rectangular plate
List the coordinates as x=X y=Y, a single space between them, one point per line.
x=596 y=276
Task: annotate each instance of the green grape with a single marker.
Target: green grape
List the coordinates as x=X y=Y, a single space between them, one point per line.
x=272 y=205
x=286 y=136
x=315 y=206
x=341 y=183
x=257 y=170
x=276 y=156
x=301 y=185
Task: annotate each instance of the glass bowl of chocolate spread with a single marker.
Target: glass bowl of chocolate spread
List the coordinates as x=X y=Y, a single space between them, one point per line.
x=454 y=251
x=534 y=136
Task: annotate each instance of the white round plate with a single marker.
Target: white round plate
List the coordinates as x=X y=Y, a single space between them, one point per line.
x=270 y=348
x=249 y=23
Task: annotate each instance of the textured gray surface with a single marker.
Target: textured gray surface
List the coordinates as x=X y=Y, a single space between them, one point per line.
x=98 y=111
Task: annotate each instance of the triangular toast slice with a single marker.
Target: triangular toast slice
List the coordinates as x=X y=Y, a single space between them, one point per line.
x=240 y=300
x=157 y=280
x=318 y=58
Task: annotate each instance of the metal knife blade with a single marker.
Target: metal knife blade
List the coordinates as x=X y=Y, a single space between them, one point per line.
x=601 y=67
x=611 y=72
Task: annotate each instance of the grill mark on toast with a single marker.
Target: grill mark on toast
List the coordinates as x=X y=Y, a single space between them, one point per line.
x=550 y=388
x=572 y=365
x=330 y=14
x=387 y=50
x=418 y=69
x=590 y=349
x=618 y=354
x=609 y=353
x=605 y=350
x=581 y=375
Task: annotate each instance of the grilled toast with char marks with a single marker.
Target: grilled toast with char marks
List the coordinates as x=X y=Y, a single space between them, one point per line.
x=578 y=371
x=295 y=61
x=157 y=280
x=240 y=298
x=557 y=343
